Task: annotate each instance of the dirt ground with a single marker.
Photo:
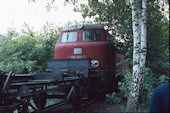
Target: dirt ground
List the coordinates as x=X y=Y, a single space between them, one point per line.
x=98 y=107
x=103 y=107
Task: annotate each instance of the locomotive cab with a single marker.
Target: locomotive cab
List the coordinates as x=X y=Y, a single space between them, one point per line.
x=89 y=41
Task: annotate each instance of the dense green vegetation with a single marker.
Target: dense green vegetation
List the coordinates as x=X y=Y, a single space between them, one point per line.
x=28 y=50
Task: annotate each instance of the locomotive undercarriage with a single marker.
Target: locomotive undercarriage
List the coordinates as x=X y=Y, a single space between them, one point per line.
x=102 y=82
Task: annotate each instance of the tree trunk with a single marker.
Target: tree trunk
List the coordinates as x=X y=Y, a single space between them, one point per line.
x=143 y=40
x=139 y=52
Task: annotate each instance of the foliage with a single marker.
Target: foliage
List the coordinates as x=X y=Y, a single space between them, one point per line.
x=115 y=19
x=158 y=42
x=28 y=51
x=124 y=85
x=149 y=84
x=112 y=98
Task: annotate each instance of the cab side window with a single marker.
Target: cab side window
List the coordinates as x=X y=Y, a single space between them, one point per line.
x=91 y=36
x=69 y=37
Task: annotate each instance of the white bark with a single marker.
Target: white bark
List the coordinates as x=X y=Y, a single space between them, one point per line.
x=143 y=39
x=139 y=52
x=133 y=96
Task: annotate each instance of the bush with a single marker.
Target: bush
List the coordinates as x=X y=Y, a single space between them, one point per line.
x=28 y=51
x=151 y=81
x=112 y=98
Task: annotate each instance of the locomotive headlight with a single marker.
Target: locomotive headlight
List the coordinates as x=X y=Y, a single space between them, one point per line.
x=94 y=63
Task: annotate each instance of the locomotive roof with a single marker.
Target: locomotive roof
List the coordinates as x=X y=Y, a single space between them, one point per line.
x=83 y=26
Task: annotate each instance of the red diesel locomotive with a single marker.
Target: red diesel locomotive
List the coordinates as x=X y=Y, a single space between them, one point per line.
x=90 y=41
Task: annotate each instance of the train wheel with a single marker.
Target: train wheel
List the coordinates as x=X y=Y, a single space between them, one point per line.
x=75 y=97
x=40 y=100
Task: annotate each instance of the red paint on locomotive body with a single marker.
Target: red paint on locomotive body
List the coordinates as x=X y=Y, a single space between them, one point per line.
x=99 y=50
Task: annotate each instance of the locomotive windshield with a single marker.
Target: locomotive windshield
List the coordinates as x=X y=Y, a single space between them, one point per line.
x=69 y=37
x=91 y=36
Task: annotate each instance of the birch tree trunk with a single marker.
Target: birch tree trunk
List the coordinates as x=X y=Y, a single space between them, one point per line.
x=143 y=40
x=139 y=52
x=133 y=96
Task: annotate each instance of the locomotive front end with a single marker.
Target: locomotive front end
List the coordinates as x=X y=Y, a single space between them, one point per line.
x=89 y=41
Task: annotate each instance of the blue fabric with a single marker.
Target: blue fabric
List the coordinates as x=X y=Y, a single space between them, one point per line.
x=160 y=99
